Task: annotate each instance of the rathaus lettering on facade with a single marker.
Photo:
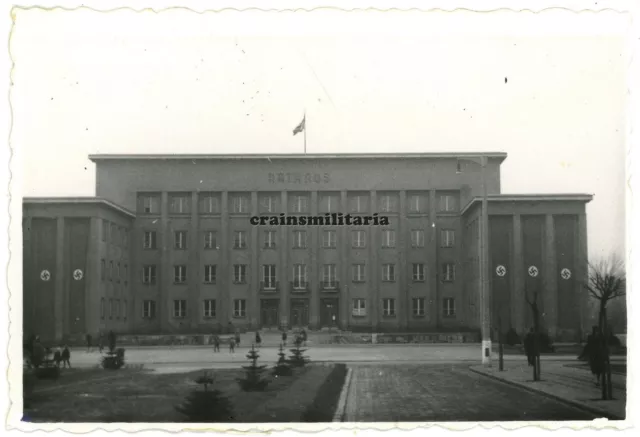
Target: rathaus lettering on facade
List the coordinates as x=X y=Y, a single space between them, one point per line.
x=299 y=178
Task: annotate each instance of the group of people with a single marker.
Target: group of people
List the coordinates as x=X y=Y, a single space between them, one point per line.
x=234 y=340
x=37 y=354
x=111 y=338
x=593 y=352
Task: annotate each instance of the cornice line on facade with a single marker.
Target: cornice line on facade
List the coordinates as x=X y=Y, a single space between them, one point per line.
x=585 y=198
x=297 y=156
x=76 y=200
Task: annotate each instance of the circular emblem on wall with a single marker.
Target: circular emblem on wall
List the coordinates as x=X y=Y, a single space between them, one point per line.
x=77 y=274
x=565 y=273
x=501 y=270
x=45 y=275
x=533 y=271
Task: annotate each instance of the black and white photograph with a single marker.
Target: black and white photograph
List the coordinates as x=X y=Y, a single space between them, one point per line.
x=313 y=216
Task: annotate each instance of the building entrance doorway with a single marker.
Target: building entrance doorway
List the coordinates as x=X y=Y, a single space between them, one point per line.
x=329 y=312
x=299 y=313
x=269 y=313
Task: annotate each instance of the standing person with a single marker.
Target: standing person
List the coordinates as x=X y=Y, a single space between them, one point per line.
x=57 y=356
x=238 y=338
x=303 y=337
x=529 y=346
x=216 y=343
x=284 y=338
x=66 y=356
x=232 y=345
x=596 y=355
x=258 y=339
x=88 y=338
x=100 y=342
x=112 y=340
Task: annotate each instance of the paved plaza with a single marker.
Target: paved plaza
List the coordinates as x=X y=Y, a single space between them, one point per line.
x=189 y=357
x=417 y=393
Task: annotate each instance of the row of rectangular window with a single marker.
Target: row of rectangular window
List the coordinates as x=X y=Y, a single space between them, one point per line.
x=115 y=310
x=359 y=307
x=300 y=274
x=300 y=238
x=210 y=203
x=114 y=234
x=114 y=271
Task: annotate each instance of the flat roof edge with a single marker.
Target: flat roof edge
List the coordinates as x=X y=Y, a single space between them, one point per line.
x=75 y=200
x=251 y=156
x=576 y=197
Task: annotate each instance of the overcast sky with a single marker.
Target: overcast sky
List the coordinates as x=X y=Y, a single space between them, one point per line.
x=179 y=82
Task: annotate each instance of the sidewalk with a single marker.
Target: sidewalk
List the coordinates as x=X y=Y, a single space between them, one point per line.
x=563 y=382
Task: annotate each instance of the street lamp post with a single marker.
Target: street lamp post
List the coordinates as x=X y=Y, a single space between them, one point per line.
x=485 y=298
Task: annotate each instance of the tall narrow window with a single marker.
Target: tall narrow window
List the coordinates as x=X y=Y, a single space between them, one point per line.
x=358 y=239
x=179 y=308
x=125 y=310
x=449 y=307
x=329 y=279
x=299 y=239
x=269 y=239
x=417 y=306
x=268 y=204
x=299 y=276
x=210 y=274
x=180 y=274
x=149 y=275
x=388 y=238
x=329 y=239
x=239 y=308
x=102 y=308
x=240 y=204
x=417 y=238
x=149 y=309
x=179 y=204
x=239 y=273
x=239 y=240
x=448 y=272
x=359 y=307
x=388 y=272
x=209 y=308
x=209 y=204
x=210 y=240
x=269 y=277
x=299 y=204
x=180 y=240
x=389 y=307
x=447 y=237
x=149 y=240
x=358 y=273
x=103 y=268
x=418 y=272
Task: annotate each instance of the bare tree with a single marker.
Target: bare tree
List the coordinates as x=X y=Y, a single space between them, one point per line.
x=606 y=281
x=535 y=312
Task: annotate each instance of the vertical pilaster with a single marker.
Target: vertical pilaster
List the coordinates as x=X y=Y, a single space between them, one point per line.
x=550 y=287
x=314 y=277
x=164 y=274
x=61 y=280
x=92 y=279
x=342 y=243
x=374 y=269
x=284 y=272
x=224 y=277
x=518 y=303
x=253 y=301
x=29 y=277
x=582 y=272
x=432 y=262
x=404 y=304
x=194 y=309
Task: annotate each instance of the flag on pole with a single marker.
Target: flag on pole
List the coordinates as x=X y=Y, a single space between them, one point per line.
x=300 y=127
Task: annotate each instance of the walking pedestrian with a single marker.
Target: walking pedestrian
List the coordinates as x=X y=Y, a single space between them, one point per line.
x=284 y=338
x=88 y=338
x=100 y=342
x=258 y=339
x=216 y=343
x=595 y=353
x=66 y=356
x=57 y=356
x=232 y=345
x=529 y=346
x=112 y=340
x=238 y=338
x=303 y=337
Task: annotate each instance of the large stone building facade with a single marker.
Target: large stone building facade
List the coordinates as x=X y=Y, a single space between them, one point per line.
x=175 y=243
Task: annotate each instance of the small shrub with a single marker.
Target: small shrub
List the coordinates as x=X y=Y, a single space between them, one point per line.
x=297 y=359
x=207 y=405
x=114 y=359
x=282 y=368
x=253 y=380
